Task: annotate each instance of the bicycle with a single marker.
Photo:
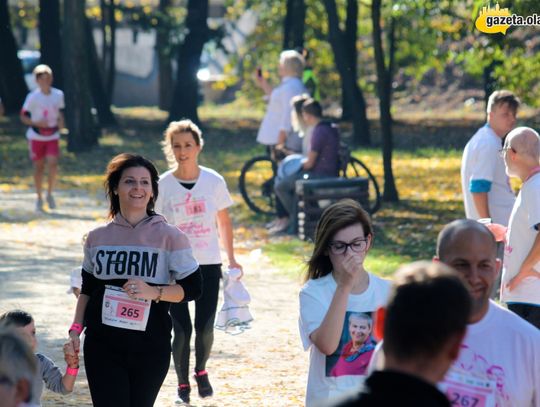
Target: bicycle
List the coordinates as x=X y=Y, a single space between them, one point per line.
x=256 y=181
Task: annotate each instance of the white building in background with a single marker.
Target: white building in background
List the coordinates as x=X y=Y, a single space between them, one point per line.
x=136 y=81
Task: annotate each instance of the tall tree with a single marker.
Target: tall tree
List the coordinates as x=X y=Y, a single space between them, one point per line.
x=352 y=92
x=163 y=46
x=108 y=31
x=49 y=38
x=82 y=130
x=384 y=88
x=186 y=92
x=293 y=26
x=351 y=52
x=13 y=88
x=99 y=95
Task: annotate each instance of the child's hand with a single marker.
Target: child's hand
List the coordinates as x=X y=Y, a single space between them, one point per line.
x=70 y=356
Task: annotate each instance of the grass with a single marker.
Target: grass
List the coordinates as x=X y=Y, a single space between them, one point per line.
x=425 y=164
x=428 y=181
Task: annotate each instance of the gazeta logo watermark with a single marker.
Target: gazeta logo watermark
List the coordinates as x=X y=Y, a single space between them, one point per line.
x=499 y=20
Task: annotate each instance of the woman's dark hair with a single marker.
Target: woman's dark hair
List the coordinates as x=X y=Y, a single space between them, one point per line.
x=312 y=107
x=114 y=171
x=337 y=216
x=16 y=318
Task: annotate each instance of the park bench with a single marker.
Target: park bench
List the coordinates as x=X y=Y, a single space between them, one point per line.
x=314 y=195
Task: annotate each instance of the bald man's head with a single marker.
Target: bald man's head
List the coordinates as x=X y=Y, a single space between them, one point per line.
x=525 y=141
x=462 y=229
x=470 y=248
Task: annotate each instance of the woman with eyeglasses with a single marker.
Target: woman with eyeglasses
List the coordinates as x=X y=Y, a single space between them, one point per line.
x=337 y=286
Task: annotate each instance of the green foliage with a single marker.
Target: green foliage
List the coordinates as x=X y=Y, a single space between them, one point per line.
x=519 y=72
x=24 y=14
x=263 y=47
x=513 y=56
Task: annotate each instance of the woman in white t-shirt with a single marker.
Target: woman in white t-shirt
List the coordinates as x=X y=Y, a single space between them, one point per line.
x=195 y=199
x=337 y=287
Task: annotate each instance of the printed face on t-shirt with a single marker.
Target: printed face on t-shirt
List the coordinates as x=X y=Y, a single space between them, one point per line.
x=359 y=329
x=356 y=346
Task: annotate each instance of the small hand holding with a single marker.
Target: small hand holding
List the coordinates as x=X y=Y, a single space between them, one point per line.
x=234 y=265
x=75 y=341
x=70 y=355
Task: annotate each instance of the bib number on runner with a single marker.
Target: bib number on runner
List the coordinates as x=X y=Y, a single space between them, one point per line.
x=465 y=391
x=461 y=398
x=121 y=311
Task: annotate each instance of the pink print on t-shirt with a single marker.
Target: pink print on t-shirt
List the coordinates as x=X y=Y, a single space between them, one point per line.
x=473 y=379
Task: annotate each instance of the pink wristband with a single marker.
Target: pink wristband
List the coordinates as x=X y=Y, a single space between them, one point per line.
x=76 y=327
x=72 y=371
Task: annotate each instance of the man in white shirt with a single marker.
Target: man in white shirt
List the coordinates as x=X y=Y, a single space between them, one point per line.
x=520 y=287
x=276 y=123
x=499 y=362
x=485 y=185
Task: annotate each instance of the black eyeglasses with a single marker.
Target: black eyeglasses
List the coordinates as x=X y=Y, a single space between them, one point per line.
x=503 y=150
x=357 y=246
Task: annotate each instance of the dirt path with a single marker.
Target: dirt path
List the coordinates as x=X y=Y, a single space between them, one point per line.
x=264 y=366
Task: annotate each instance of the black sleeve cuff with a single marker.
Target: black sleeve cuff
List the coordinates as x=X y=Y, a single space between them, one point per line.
x=192 y=286
x=89 y=283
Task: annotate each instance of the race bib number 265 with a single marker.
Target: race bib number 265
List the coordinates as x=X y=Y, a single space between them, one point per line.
x=121 y=311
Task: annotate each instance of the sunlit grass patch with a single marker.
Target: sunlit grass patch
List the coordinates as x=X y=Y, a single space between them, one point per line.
x=289 y=255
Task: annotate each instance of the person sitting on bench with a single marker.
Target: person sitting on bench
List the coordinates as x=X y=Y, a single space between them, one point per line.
x=322 y=161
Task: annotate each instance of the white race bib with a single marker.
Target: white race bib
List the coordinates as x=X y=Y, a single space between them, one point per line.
x=464 y=391
x=120 y=311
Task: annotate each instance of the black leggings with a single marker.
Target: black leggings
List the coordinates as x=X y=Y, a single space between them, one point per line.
x=529 y=312
x=205 y=313
x=123 y=377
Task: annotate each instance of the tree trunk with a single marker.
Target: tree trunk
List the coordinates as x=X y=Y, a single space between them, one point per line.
x=49 y=37
x=186 y=92
x=111 y=66
x=13 y=88
x=293 y=27
x=82 y=131
x=108 y=47
x=104 y=36
x=384 y=87
x=351 y=53
x=99 y=95
x=353 y=94
x=163 y=47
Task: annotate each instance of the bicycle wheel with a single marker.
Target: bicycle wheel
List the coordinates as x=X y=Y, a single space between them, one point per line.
x=256 y=184
x=356 y=168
